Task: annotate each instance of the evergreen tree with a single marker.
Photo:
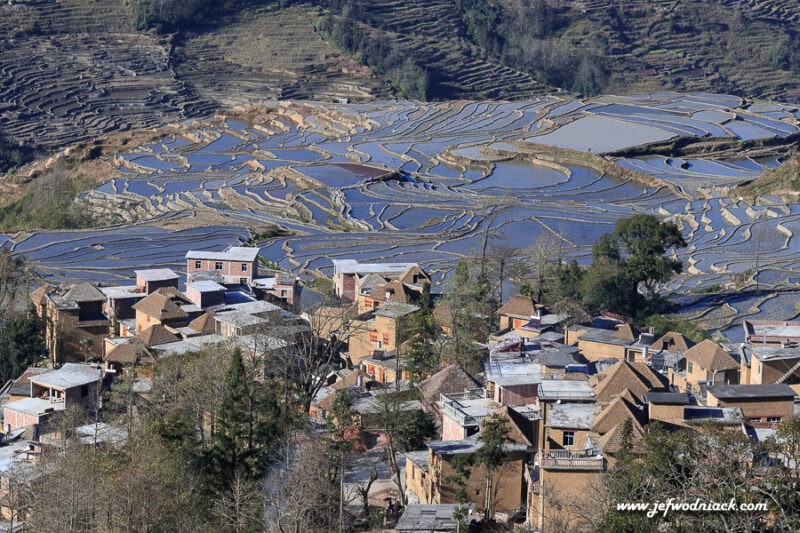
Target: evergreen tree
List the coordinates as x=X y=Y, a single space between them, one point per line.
x=494 y=433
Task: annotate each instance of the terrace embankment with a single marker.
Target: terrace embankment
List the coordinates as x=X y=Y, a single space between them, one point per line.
x=561 y=158
x=714 y=148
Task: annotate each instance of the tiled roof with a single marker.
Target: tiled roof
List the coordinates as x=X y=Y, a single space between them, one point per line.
x=672 y=341
x=637 y=377
x=85 y=292
x=616 y=412
x=204 y=324
x=161 y=305
x=155 y=335
x=38 y=295
x=611 y=442
x=710 y=356
x=520 y=306
x=451 y=378
x=129 y=352
x=395 y=309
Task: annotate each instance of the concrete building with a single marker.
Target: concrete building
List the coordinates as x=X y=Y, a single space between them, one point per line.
x=236 y=266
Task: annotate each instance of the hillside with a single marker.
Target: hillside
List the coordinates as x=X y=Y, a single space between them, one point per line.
x=76 y=69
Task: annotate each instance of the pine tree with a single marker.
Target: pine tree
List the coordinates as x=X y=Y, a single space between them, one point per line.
x=233 y=442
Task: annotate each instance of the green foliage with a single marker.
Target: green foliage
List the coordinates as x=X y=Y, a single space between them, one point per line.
x=248 y=423
x=470 y=306
x=630 y=258
x=343 y=424
x=172 y=15
x=21 y=343
x=12 y=155
x=664 y=323
x=414 y=429
x=341 y=26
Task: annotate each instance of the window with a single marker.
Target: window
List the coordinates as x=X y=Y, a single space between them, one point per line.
x=373 y=336
x=755 y=419
x=380 y=345
x=218 y=265
x=569 y=438
x=198 y=264
x=243 y=281
x=386 y=337
x=283 y=293
x=773 y=419
x=691 y=367
x=84 y=391
x=244 y=267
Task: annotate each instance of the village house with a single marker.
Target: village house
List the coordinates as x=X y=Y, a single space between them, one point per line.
x=74 y=321
x=771 y=332
x=349 y=273
x=72 y=384
x=706 y=363
x=377 y=331
x=450 y=379
x=430 y=475
x=769 y=404
x=149 y=281
x=527 y=319
x=597 y=344
x=236 y=266
x=464 y=412
x=384 y=367
x=165 y=307
x=278 y=287
x=767 y=364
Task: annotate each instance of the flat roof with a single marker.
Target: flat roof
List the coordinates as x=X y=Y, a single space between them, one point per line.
x=395 y=309
x=773 y=353
x=253 y=307
x=468 y=445
x=771 y=329
x=206 y=285
x=351 y=266
x=234 y=253
x=68 y=376
x=436 y=517
x=571 y=415
x=238 y=318
x=156 y=274
x=122 y=292
x=192 y=344
x=606 y=336
x=755 y=392
x=667 y=398
x=723 y=415
x=565 y=389
x=34 y=406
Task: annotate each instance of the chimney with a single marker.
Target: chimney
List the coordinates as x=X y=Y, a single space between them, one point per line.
x=539 y=312
x=360 y=381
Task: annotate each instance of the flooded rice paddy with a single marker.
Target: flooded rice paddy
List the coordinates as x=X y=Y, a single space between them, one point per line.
x=427 y=182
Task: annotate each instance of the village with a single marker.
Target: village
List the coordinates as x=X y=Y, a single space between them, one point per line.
x=559 y=399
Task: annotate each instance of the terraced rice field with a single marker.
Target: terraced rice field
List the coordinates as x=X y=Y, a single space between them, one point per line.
x=427 y=182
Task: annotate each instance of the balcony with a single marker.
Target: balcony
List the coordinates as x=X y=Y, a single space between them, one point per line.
x=571 y=460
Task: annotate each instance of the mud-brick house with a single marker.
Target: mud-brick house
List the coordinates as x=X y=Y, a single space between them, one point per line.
x=764 y=364
x=451 y=378
x=760 y=404
x=351 y=278
x=386 y=367
x=149 y=281
x=74 y=321
x=431 y=474
x=378 y=330
x=236 y=266
x=706 y=363
x=277 y=286
x=165 y=307
x=71 y=385
x=597 y=344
